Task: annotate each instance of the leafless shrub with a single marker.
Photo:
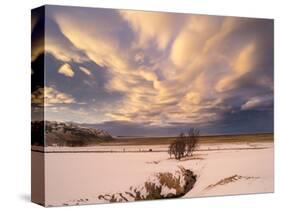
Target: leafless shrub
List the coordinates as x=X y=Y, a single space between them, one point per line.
x=192 y=141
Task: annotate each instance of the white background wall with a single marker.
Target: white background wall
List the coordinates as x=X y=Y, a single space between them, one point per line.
x=15 y=103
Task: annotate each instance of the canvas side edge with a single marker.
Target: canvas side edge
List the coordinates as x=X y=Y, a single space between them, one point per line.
x=37 y=109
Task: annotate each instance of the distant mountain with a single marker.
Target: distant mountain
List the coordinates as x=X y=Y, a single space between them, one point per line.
x=66 y=134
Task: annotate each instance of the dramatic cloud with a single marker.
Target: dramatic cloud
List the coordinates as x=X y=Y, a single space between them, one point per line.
x=259 y=103
x=161 y=28
x=66 y=70
x=49 y=96
x=159 y=69
x=241 y=65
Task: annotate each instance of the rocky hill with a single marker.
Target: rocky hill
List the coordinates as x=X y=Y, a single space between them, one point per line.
x=66 y=134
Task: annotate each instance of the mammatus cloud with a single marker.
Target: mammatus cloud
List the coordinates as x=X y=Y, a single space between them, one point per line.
x=167 y=68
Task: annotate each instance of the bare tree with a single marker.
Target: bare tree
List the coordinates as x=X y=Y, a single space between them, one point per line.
x=184 y=145
x=178 y=147
x=192 y=140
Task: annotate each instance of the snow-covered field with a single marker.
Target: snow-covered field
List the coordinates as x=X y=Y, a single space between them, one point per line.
x=221 y=169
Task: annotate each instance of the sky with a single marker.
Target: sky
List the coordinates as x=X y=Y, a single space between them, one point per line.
x=152 y=73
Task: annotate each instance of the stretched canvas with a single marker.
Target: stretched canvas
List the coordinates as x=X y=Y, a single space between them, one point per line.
x=133 y=105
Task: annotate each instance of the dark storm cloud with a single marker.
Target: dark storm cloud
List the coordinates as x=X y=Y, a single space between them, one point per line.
x=123 y=128
x=233 y=123
x=252 y=121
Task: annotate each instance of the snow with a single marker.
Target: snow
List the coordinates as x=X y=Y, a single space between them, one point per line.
x=256 y=165
x=221 y=169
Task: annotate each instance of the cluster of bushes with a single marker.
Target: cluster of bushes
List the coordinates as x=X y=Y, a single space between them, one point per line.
x=184 y=145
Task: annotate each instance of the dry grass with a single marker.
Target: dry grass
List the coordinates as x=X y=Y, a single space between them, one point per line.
x=153 y=190
x=230 y=180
